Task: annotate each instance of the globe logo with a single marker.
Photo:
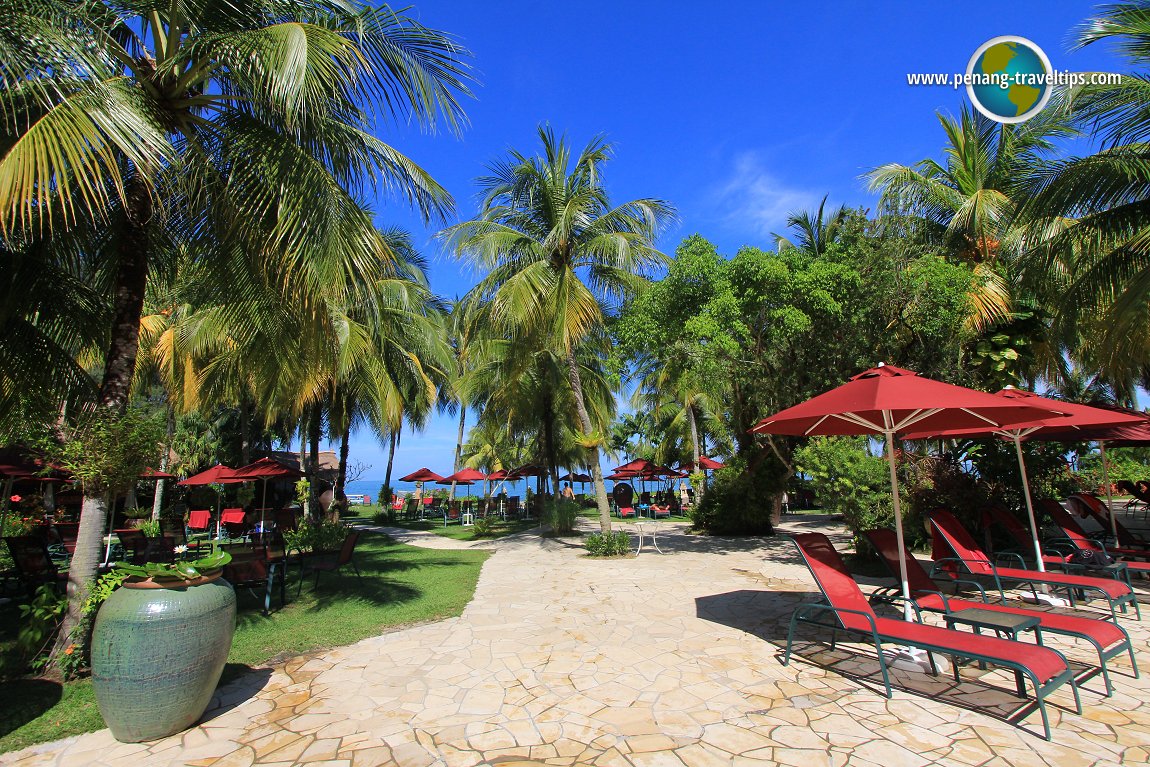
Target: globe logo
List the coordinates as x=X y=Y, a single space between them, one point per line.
x=1009 y=79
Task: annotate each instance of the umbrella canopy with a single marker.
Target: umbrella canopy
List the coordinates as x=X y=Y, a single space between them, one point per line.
x=637 y=465
x=498 y=474
x=150 y=473
x=421 y=475
x=266 y=468
x=463 y=477
x=1078 y=421
x=575 y=477
x=705 y=464
x=218 y=474
x=527 y=470
x=888 y=400
x=619 y=475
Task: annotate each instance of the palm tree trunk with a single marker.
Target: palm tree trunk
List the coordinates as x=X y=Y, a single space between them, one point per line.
x=313 y=464
x=549 y=441
x=131 y=281
x=697 y=453
x=341 y=477
x=459 y=445
x=392 y=440
x=585 y=424
x=169 y=435
x=245 y=427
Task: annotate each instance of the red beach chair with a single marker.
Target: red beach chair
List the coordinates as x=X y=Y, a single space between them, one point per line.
x=1094 y=508
x=967 y=554
x=199 y=521
x=1046 y=668
x=232 y=520
x=1109 y=639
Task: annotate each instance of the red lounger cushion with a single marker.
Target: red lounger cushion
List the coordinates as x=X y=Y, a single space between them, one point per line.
x=199 y=520
x=232 y=515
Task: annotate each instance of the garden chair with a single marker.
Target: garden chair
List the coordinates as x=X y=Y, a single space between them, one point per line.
x=451 y=513
x=33 y=565
x=331 y=561
x=848 y=610
x=257 y=565
x=1108 y=639
x=200 y=521
x=1093 y=507
x=286 y=520
x=232 y=521
x=953 y=536
x=67 y=533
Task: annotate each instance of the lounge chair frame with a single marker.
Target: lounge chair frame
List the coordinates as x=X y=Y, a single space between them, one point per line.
x=884 y=543
x=957 y=539
x=808 y=612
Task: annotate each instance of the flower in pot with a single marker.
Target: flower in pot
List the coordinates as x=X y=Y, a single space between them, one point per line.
x=159 y=646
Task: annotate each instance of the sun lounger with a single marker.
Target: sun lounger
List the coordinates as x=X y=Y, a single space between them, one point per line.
x=1108 y=638
x=967 y=555
x=1095 y=509
x=1074 y=537
x=996 y=515
x=1046 y=668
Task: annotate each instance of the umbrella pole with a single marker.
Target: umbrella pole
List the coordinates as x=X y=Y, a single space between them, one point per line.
x=906 y=609
x=264 y=506
x=1029 y=505
x=1106 y=484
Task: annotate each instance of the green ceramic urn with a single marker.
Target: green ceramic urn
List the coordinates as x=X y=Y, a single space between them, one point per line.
x=158 y=650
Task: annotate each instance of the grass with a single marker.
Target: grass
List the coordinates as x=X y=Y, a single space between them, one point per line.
x=401 y=585
x=457 y=531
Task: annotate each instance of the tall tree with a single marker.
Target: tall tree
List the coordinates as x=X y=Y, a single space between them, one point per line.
x=559 y=256
x=233 y=123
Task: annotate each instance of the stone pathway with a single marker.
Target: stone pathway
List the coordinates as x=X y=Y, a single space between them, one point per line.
x=656 y=660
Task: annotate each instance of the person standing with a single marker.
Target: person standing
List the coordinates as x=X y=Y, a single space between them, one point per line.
x=684 y=495
x=568 y=493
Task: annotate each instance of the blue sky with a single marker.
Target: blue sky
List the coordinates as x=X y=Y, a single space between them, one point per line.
x=736 y=112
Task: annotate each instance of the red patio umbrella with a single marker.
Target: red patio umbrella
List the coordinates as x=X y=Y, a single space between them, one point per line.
x=265 y=469
x=463 y=477
x=705 y=463
x=1079 y=419
x=150 y=473
x=421 y=475
x=217 y=475
x=636 y=465
x=888 y=400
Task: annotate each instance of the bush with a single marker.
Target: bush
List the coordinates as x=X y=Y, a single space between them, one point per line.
x=996 y=463
x=323 y=536
x=609 y=545
x=1121 y=463
x=848 y=480
x=561 y=515
x=741 y=496
x=940 y=482
x=483 y=527
x=382 y=517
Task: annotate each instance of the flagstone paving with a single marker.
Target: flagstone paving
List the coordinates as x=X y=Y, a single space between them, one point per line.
x=669 y=659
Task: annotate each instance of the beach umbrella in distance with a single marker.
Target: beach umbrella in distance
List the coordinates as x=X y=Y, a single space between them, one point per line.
x=421 y=475
x=1069 y=428
x=636 y=465
x=705 y=464
x=464 y=476
x=888 y=400
x=217 y=475
x=265 y=469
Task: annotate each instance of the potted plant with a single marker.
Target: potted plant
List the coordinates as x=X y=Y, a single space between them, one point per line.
x=159 y=646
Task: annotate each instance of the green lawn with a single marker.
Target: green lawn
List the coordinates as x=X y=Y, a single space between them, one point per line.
x=401 y=585
x=457 y=531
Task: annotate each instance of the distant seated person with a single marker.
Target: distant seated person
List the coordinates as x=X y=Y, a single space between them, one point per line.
x=568 y=493
x=660 y=510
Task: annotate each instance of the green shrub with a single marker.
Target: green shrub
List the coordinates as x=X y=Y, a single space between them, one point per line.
x=610 y=545
x=940 y=482
x=322 y=536
x=741 y=495
x=1121 y=463
x=483 y=527
x=561 y=515
x=848 y=480
x=382 y=517
x=150 y=528
x=39 y=620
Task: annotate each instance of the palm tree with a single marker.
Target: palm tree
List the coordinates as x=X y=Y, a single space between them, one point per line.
x=246 y=126
x=969 y=203
x=815 y=232
x=559 y=255
x=1092 y=213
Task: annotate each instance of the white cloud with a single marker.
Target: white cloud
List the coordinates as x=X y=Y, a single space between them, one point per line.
x=754 y=200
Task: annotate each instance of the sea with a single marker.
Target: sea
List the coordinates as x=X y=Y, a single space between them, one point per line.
x=370 y=487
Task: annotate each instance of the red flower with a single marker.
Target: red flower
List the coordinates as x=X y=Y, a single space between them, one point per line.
x=16 y=499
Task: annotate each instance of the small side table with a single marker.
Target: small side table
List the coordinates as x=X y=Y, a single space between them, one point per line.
x=1001 y=623
x=647 y=529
